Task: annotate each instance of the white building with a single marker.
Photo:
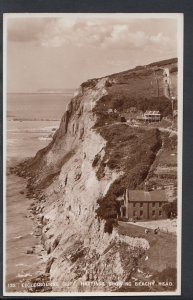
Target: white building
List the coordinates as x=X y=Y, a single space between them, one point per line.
x=152 y=116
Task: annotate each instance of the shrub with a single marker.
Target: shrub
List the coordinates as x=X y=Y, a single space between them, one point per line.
x=89 y=83
x=123 y=119
x=171 y=209
x=110 y=223
x=174 y=69
x=118 y=103
x=96 y=160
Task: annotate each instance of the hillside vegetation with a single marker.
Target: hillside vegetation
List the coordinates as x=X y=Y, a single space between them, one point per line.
x=120 y=100
x=130 y=151
x=161 y=63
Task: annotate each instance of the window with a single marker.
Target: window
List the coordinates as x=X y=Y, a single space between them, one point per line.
x=141 y=213
x=134 y=204
x=160 y=204
x=153 y=212
x=141 y=204
x=153 y=204
x=160 y=213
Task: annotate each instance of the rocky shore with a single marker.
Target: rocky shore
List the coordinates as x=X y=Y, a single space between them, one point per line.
x=91 y=266
x=32 y=284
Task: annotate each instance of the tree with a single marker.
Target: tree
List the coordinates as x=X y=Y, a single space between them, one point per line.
x=110 y=223
x=171 y=209
x=123 y=119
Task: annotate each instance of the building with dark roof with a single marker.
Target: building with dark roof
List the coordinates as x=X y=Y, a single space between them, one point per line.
x=143 y=205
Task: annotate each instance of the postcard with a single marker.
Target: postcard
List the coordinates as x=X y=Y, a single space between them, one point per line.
x=93 y=106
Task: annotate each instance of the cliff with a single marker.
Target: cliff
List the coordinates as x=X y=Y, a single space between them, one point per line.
x=76 y=179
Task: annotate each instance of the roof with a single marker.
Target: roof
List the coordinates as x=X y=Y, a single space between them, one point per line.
x=147 y=196
x=152 y=112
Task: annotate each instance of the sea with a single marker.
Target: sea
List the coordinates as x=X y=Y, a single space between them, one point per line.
x=31 y=121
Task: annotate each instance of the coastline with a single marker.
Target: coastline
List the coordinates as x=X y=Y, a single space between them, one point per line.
x=34 y=256
x=26 y=257
x=84 y=245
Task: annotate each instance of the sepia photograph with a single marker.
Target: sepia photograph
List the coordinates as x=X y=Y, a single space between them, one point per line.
x=93 y=106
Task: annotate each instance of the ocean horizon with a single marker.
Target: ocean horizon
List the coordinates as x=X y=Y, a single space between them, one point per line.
x=37 y=106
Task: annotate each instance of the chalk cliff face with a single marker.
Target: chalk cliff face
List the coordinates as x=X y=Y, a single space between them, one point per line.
x=72 y=234
x=63 y=178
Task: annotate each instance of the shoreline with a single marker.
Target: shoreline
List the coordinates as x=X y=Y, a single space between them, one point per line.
x=40 y=223
x=41 y=281
x=28 y=262
x=36 y=251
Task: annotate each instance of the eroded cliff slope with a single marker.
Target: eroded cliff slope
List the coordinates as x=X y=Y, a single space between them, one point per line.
x=92 y=158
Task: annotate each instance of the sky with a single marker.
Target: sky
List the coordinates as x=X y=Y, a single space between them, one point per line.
x=61 y=51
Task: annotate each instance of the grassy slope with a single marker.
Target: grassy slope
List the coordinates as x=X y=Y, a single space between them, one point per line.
x=162 y=252
x=165 y=167
x=128 y=150
x=161 y=261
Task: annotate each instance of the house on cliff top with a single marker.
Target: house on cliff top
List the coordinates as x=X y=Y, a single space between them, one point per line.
x=152 y=116
x=143 y=205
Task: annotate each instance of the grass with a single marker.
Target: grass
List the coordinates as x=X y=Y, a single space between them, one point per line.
x=142 y=68
x=161 y=263
x=127 y=147
x=165 y=164
x=162 y=252
x=165 y=62
x=168 y=157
